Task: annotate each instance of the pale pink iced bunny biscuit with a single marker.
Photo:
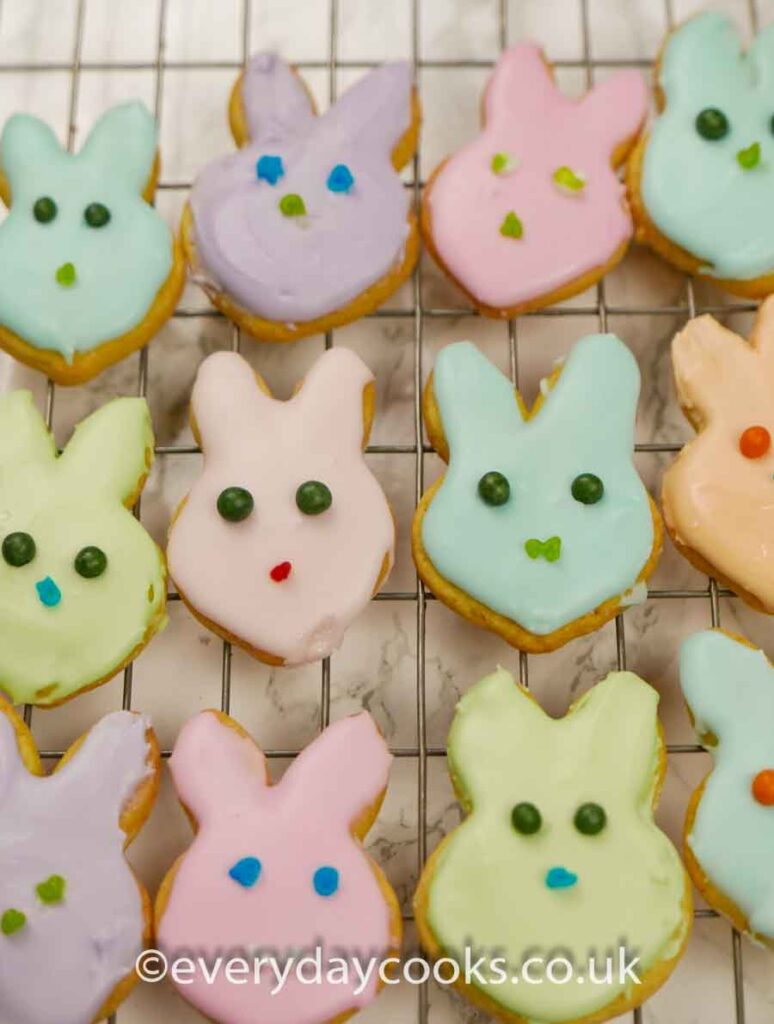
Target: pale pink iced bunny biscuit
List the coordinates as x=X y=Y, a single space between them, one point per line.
x=531 y=211
x=286 y=535
x=719 y=493
x=279 y=868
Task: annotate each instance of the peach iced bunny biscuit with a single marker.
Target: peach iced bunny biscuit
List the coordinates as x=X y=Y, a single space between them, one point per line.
x=286 y=535
x=90 y=270
x=717 y=495
x=308 y=226
x=531 y=211
x=540 y=529
x=279 y=867
x=73 y=917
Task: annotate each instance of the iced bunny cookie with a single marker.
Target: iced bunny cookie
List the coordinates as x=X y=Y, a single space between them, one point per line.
x=286 y=535
x=82 y=585
x=279 y=867
x=531 y=211
x=701 y=181
x=90 y=270
x=308 y=225
x=560 y=851
x=729 y=826
x=717 y=495
x=540 y=529
x=73 y=917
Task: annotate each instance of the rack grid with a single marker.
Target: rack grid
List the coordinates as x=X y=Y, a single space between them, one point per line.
x=419 y=314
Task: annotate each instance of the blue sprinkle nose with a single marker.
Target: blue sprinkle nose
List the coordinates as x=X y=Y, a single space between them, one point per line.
x=326 y=881
x=340 y=179
x=246 y=872
x=560 y=878
x=270 y=168
x=49 y=593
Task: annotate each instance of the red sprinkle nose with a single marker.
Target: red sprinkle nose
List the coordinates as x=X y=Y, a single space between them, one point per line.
x=763 y=787
x=281 y=572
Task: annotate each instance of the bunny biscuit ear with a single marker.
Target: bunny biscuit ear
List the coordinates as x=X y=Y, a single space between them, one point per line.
x=276 y=104
x=375 y=112
x=26 y=142
x=24 y=437
x=710 y=363
x=225 y=401
x=331 y=398
x=521 y=76
x=702 y=58
x=615 y=109
x=122 y=144
x=761 y=57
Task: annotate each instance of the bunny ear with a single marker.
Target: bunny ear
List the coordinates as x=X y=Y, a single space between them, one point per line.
x=24 y=437
x=216 y=769
x=331 y=399
x=111 y=451
x=521 y=76
x=225 y=401
x=710 y=363
x=701 y=60
x=122 y=144
x=276 y=104
x=341 y=773
x=26 y=142
x=762 y=333
x=375 y=112
x=615 y=109
x=760 y=56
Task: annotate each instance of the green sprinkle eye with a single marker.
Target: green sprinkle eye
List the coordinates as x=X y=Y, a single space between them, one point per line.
x=90 y=562
x=587 y=489
x=526 y=818
x=590 y=819
x=44 y=209
x=313 y=497
x=493 y=488
x=12 y=921
x=712 y=124
x=18 y=549
x=96 y=215
x=235 y=504
x=52 y=890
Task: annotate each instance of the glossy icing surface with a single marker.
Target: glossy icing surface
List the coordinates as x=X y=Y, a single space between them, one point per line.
x=295 y=268
x=117 y=268
x=270 y=448
x=696 y=190
x=50 y=649
x=293 y=828
x=488 y=552
x=566 y=232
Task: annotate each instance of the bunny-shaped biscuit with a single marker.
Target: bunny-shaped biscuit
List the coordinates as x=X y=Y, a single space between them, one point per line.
x=531 y=211
x=90 y=269
x=279 y=868
x=729 y=826
x=286 y=535
x=82 y=585
x=540 y=528
x=702 y=180
x=717 y=495
x=73 y=918
x=560 y=851
x=307 y=226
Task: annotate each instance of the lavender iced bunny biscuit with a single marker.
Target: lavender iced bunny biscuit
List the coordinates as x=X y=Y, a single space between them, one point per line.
x=308 y=226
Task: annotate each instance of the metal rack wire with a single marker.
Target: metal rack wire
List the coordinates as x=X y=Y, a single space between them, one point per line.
x=419 y=314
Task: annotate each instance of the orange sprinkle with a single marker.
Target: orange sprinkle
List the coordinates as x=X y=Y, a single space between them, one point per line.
x=754 y=442
x=763 y=787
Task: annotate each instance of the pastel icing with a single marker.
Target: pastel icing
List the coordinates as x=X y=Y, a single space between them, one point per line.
x=235 y=574
x=729 y=688
x=532 y=132
x=66 y=826
x=696 y=190
x=716 y=501
x=116 y=270
x=61 y=632
x=542 y=559
x=296 y=828
x=493 y=887
x=292 y=269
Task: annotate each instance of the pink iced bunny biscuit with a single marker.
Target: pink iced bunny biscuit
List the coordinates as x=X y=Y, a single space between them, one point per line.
x=719 y=492
x=279 y=868
x=286 y=535
x=531 y=211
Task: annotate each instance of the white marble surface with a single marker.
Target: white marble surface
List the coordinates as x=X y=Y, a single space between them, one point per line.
x=377 y=666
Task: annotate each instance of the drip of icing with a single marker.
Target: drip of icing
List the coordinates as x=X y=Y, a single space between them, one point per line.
x=729 y=688
x=565 y=234
x=291 y=269
x=68 y=825
x=480 y=549
x=271 y=447
x=295 y=828
x=116 y=270
x=694 y=189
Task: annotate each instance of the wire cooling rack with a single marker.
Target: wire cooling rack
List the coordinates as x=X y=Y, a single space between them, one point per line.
x=419 y=315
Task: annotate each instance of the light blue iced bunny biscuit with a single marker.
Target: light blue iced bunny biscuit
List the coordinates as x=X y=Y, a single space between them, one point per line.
x=90 y=270
x=702 y=179
x=541 y=528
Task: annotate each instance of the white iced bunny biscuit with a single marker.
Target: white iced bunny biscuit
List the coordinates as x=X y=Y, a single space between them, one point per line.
x=286 y=535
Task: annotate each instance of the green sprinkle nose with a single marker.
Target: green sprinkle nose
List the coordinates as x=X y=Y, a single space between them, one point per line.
x=568 y=181
x=750 y=157
x=503 y=163
x=66 y=275
x=52 y=890
x=292 y=205
x=12 y=921
x=511 y=227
